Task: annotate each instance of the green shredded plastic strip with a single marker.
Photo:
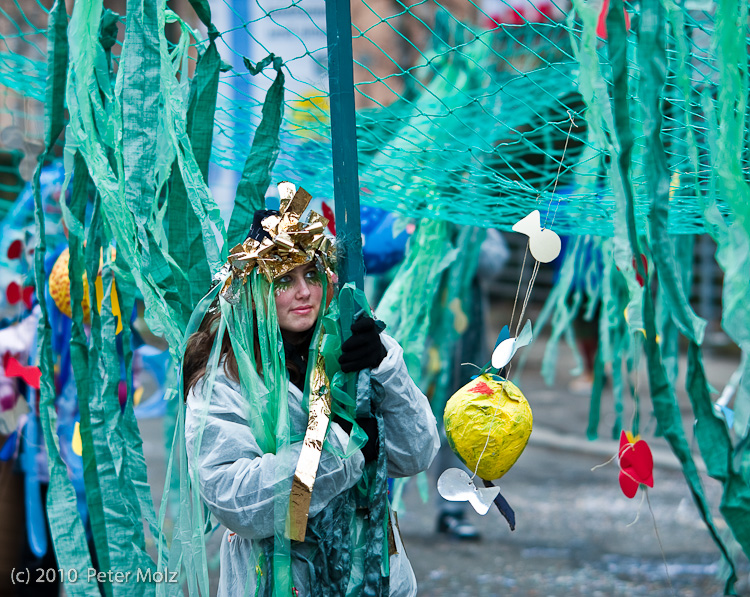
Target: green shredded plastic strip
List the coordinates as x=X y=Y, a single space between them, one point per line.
x=652 y=61
x=192 y=274
x=67 y=531
x=716 y=448
x=256 y=174
x=407 y=304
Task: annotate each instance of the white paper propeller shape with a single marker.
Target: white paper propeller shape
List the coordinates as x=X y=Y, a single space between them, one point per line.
x=544 y=243
x=507 y=347
x=455 y=485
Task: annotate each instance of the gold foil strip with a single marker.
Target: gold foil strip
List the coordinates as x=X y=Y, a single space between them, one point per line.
x=325 y=245
x=315 y=218
x=309 y=456
x=316 y=242
x=238 y=249
x=266 y=247
x=300 y=237
x=315 y=228
x=264 y=268
x=298 y=204
x=284 y=242
x=392 y=516
x=278 y=266
x=242 y=260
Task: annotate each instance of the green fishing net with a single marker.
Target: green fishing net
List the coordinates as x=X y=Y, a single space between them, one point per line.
x=462 y=117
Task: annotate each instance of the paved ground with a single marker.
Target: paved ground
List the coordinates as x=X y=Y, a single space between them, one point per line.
x=576 y=533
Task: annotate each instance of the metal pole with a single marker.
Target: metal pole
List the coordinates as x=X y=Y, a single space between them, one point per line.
x=345 y=178
x=344 y=142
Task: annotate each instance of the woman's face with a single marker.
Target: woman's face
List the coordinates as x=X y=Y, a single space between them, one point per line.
x=298 y=294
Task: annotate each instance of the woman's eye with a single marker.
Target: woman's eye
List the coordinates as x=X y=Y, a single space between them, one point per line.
x=284 y=280
x=314 y=277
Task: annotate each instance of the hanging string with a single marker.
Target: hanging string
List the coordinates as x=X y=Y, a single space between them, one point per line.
x=603 y=464
x=559 y=169
x=638 y=512
x=537 y=264
x=534 y=272
x=487 y=441
x=661 y=546
x=518 y=289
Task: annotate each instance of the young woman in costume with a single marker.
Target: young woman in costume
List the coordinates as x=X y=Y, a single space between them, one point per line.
x=279 y=453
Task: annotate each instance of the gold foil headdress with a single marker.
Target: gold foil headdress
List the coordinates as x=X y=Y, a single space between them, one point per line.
x=284 y=243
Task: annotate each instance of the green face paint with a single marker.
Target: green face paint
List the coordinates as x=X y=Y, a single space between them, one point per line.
x=311 y=276
x=282 y=284
x=314 y=277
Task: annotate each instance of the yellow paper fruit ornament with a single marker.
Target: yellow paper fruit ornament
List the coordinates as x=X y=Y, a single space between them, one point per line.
x=488 y=422
x=59 y=289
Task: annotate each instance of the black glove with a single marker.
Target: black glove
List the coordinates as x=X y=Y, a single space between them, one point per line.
x=370 y=426
x=363 y=350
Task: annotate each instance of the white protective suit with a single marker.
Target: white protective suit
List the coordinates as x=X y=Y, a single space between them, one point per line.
x=237 y=479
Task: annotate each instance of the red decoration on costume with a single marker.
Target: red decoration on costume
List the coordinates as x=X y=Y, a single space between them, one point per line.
x=14 y=250
x=13 y=293
x=328 y=215
x=28 y=296
x=636 y=465
x=31 y=375
x=122 y=392
x=639 y=277
x=601 y=26
x=481 y=388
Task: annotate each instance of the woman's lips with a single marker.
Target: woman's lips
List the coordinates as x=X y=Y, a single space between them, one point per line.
x=302 y=310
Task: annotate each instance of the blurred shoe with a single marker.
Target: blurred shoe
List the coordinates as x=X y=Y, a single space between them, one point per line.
x=582 y=384
x=454 y=525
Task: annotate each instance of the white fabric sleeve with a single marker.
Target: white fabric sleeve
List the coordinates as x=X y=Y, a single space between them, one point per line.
x=411 y=435
x=237 y=480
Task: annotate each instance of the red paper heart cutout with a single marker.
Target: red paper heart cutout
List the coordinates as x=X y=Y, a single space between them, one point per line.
x=636 y=465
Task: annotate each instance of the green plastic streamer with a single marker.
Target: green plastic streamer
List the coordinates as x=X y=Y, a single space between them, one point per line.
x=256 y=174
x=716 y=448
x=191 y=274
x=407 y=303
x=67 y=531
